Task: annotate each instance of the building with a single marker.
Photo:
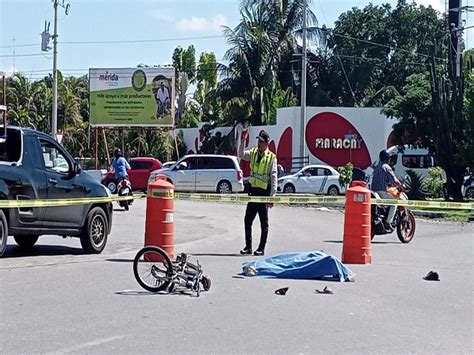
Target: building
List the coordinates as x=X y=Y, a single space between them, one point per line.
x=334 y=136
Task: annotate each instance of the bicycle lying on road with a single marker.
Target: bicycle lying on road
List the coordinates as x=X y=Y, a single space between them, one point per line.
x=154 y=271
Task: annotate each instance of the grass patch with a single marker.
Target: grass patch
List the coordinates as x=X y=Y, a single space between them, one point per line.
x=458 y=216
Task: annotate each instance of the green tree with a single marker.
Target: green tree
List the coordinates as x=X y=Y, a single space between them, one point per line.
x=431 y=115
x=274 y=99
x=371 y=51
x=184 y=62
x=206 y=76
x=262 y=45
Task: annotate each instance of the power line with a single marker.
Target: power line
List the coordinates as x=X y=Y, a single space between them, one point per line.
x=379 y=44
x=20 y=45
x=142 y=40
x=21 y=55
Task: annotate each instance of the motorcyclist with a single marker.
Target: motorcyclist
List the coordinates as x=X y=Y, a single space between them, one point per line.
x=120 y=165
x=382 y=179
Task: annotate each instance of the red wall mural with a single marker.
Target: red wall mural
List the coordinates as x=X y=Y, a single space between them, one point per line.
x=390 y=139
x=334 y=140
x=285 y=145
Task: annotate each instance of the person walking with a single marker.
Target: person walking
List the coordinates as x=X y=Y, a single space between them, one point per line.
x=263 y=182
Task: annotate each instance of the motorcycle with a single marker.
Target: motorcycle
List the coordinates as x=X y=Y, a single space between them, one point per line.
x=124 y=188
x=404 y=219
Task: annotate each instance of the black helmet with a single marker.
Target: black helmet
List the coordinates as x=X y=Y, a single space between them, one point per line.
x=117 y=151
x=384 y=156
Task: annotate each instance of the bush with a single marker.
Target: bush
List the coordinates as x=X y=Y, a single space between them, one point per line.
x=415 y=185
x=434 y=182
x=345 y=175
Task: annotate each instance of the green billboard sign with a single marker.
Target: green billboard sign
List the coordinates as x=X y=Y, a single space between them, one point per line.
x=127 y=97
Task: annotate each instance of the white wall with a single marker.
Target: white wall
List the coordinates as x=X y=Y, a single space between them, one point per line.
x=371 y=124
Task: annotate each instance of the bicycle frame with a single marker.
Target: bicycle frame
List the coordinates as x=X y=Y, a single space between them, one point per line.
x=186 y=274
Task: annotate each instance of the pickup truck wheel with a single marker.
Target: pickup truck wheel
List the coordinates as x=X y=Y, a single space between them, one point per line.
x=94 y=232
x=26 y=241
x=3 y=233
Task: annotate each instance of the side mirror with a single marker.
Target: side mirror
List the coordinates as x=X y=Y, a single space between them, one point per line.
x=76 y=169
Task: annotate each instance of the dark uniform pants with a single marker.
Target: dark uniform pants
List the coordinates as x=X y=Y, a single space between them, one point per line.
x=250 y=214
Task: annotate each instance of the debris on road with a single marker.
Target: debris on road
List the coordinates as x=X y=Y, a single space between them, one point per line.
x=431 y=276
x=281 y=291
x=325 y=291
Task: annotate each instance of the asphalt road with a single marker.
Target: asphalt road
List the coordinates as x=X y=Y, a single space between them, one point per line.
x=57 y=300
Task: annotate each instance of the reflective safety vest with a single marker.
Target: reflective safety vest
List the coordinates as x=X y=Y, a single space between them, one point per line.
x=260 y=171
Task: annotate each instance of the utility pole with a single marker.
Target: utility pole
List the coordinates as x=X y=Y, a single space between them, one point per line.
x=303 y=88
x=454 y=23
x=54 y=116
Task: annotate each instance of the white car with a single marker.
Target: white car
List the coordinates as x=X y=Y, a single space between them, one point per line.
x=204 y=173
x=169 y=164
x=314 y=179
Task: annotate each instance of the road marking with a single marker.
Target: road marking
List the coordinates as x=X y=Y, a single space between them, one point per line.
x=89 y=344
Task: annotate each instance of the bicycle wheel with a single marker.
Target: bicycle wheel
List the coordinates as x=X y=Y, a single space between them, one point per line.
x=153 y=269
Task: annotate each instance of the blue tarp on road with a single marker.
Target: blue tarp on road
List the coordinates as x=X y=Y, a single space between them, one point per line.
x=310 y=265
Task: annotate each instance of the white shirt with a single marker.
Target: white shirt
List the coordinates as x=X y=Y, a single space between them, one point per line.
x=163 y=94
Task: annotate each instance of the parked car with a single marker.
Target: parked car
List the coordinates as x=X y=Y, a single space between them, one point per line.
x=35 y=166
x=138 y=174
x=206 y=172
x=468 y=187
x=316 y=179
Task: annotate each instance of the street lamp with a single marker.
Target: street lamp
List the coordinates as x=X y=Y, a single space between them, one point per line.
x=351 y=137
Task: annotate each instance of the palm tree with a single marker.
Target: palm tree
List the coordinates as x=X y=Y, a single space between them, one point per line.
x=23 y=103
x=262 y=45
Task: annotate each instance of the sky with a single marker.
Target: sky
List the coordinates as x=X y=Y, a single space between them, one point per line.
x=166 y=24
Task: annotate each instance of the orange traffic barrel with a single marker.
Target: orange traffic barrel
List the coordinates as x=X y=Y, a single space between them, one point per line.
x=159 y=223
x=356 y=247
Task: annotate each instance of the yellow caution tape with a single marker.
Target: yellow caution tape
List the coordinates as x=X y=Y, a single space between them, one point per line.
x=423 y=204
x=160 y=193
x=312 y=199
x=278 y=199
x=63 y=202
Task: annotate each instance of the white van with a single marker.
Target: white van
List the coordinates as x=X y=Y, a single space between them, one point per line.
x=204 y=173
x=407 y=158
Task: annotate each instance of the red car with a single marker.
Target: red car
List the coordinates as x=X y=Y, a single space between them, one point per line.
x=138 y=174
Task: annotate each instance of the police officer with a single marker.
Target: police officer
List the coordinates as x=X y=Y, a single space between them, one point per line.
x=263 y=182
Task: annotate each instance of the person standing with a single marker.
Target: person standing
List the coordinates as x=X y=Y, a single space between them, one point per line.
x=163 y=97
x=263 y=182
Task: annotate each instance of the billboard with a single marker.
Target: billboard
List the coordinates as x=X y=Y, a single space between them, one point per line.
x=127 y=97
